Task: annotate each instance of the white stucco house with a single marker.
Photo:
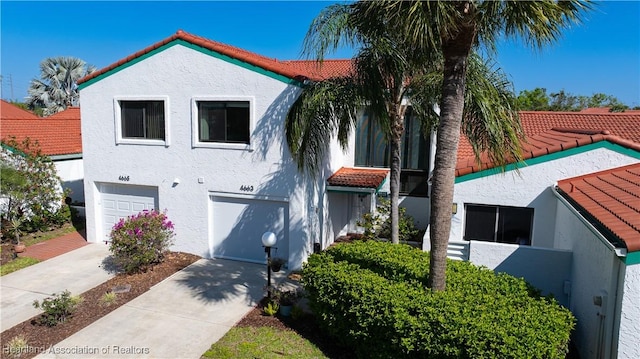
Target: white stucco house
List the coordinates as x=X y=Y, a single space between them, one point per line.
x=196 y=127
x=58 y=136
x=567 y=219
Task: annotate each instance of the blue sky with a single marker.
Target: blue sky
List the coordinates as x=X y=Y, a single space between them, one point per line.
x=602 y=55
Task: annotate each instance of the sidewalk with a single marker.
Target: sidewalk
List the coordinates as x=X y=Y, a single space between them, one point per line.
x=78 y=271
x=56 y=246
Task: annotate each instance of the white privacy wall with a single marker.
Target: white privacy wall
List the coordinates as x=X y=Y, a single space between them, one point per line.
x=71 y=173
x=180 y=74
x=531 y=188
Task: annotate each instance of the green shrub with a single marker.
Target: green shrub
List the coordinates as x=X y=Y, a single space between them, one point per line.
x=378 y=224
x=372 y=297
x=57 y=308
x=141 y=240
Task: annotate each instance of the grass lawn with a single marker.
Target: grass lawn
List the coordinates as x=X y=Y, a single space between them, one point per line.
x=17 y=264
x=263 y=342
x=37 y=237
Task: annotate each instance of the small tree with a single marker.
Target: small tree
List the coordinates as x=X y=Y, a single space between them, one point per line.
x=31 y=189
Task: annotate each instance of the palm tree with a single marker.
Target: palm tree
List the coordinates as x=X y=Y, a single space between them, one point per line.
x=57 y=88
x=454 y=28
x=386 y=72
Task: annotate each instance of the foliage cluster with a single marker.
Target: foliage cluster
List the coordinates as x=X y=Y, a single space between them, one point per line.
x=57 y=308
x=378 y=224
x=141 y=240
x=30 y=187
x=538 y=100
x=372 y=296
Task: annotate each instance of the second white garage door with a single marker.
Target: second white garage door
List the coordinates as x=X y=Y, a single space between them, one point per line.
x=120 y=201
x=238 y=225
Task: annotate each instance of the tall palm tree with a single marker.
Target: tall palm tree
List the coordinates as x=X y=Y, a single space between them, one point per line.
x=57 y=87
x=386 y=73
x=455 y=28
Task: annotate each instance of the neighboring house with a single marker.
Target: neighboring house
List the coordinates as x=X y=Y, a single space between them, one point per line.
x=196 y=127
x=531 y=222
x=58 y=137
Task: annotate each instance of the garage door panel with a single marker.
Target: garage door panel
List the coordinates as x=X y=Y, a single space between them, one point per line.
x=121 y=201
x=238 y=225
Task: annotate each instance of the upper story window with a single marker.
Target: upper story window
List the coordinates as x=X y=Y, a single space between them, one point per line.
x=142 y=121
x=372 y=150
x=500 y=224
x=222 y=123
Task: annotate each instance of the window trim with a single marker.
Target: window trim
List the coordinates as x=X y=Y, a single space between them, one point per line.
x=195 y=125
x=141 y=141
x=496 y=228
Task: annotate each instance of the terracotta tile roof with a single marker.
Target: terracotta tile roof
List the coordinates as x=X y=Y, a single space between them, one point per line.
x=358 y=177
x=58 y=134
x=71 y=113
x=13 y=112
x=547 y=142
x=292 y=69
x=625 y=125
x=612 y=198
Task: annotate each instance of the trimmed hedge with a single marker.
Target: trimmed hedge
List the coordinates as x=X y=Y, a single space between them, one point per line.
x=371 y=296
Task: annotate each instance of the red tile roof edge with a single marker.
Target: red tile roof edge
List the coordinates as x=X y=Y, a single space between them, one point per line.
x=270 y=64
x=594 y=196
x=363 y=177
x=468 y=165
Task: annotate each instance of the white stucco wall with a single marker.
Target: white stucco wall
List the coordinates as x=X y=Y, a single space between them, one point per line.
x=180 y=74
x=531 y=188
x=544 y=268
x=629 y=331
x=595 y=272
x=71 y=173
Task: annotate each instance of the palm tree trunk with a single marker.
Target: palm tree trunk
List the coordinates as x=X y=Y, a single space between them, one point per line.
x=394 y=185
x=455 y=51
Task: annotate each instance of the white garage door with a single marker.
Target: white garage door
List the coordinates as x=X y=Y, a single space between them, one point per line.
x=120 y=201
x=238 y=225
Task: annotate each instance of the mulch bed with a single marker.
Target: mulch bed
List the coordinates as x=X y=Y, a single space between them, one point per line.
x=6 y=254
x=91 y=309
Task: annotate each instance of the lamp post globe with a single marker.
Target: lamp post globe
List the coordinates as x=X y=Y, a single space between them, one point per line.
x=268 y=239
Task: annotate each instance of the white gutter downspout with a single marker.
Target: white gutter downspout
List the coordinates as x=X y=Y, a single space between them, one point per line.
x=610 y=343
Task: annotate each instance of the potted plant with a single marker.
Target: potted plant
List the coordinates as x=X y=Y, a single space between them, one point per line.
x=15 y=224
x=276 y=264
x=287 y=299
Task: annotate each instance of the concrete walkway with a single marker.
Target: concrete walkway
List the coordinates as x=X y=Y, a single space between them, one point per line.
x=77 y=271
x=178 y=318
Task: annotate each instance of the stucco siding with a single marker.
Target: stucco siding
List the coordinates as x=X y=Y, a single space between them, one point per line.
x=180 y=75
x=628 y=347
x=530 y=187
x=71 y=173
x=546 y=269
x=594 y=270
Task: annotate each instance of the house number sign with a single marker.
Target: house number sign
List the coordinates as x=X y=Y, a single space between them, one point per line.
x=124 y=178
x=245 y=188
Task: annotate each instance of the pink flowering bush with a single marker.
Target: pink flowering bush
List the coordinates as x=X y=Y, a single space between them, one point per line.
x=141 y=240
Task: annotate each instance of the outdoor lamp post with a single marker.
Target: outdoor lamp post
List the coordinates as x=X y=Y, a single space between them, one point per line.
x=268 y=241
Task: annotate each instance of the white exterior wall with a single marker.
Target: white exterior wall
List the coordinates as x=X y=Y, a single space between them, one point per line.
x=628 y=347
x=545 y=269
x=179 y=74
x=71 y=173
x=595 y=272
x=531 y=189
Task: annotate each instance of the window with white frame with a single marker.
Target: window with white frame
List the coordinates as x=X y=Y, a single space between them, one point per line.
x=223 y=121
x=502 y=224
x=143 y=119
